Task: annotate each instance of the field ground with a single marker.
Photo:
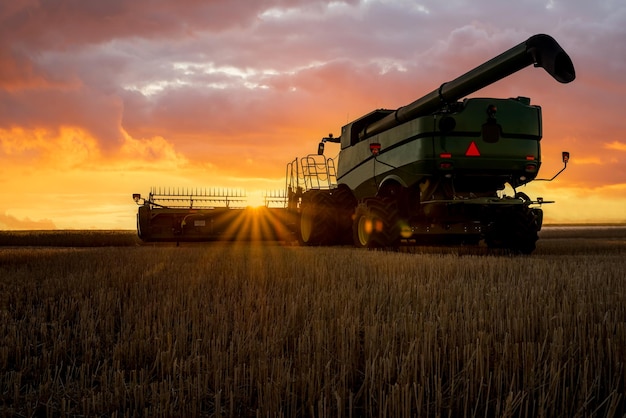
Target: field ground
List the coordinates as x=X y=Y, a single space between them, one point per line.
x=122 y=238
x=95 y=324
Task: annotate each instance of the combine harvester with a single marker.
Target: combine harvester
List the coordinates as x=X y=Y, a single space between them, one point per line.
x=433 y=171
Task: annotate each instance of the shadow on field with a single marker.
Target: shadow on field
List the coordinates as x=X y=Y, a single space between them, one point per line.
x=553 y=240
x=69 y=238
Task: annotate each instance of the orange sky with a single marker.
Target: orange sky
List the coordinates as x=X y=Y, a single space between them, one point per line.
x=99 y=100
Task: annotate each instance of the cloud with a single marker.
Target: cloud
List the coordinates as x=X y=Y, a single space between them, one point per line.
x=63 y=148
x=13 y=223
x=233 y=89
x=150 y=152
x=616 y=145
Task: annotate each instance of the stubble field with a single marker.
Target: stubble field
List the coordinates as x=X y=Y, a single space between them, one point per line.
x=94 y=324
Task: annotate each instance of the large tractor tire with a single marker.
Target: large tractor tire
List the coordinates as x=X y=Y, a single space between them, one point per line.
x=376 y=224
x=525 y=231
x=537 y=213
x=345 y=204
x=515 y=229
x=317 y=225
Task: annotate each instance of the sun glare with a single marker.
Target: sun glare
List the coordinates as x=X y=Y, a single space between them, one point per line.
x=255 y=199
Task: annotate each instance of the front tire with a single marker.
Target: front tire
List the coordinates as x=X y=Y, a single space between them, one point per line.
x=316 y=220
x=344 y=203
x=376 y=224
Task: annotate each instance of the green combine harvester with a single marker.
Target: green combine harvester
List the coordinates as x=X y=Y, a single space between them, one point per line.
x=430 y=172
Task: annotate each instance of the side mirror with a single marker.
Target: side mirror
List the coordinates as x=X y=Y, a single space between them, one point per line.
x=329 y=138
x=565 y=156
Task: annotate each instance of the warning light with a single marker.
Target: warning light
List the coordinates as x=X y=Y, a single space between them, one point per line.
x=375 y=149
x=445 y=155
x=472 y=150
x=530 y=158
x=531 y=167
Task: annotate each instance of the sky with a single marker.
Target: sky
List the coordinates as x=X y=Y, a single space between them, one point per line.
x=103 y=99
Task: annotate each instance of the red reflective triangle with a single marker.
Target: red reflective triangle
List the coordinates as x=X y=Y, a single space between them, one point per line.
x=472 y=150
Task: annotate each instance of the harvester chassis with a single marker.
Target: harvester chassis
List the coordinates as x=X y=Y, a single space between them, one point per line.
x=332 y=217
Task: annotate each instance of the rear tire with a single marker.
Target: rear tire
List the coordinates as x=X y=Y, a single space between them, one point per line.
x=525 y=233
x=516 y=230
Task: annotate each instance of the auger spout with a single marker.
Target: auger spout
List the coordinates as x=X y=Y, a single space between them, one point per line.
x=540 y=50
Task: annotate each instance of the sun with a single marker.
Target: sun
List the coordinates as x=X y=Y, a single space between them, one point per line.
x=256 y=199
